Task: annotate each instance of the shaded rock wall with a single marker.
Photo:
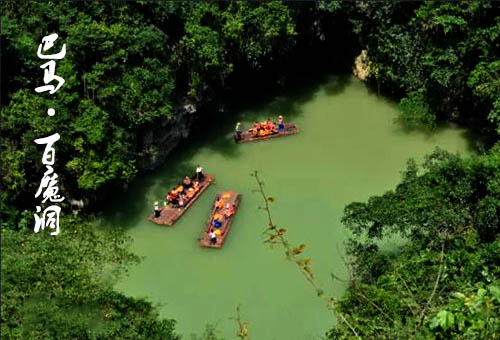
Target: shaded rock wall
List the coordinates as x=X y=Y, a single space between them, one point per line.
x=160 y=140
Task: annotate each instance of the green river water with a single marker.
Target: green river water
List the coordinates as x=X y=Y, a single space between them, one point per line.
x=349 y=149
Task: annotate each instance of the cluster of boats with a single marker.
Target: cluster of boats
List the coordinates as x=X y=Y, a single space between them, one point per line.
x=225 y=205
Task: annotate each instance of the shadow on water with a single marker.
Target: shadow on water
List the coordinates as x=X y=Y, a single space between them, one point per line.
x=127 y=209
x=214 y=128
x=213 y=131
x=251 y=102
x=474 y=142
x=473 y=139
x=337 y=84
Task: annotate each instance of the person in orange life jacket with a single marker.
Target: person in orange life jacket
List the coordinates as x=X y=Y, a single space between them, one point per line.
x=219 y=203
x=263 y=130
x=172 y=197
x=218 y=219
x=255 y=128
x=270 y=126
x=190 y=193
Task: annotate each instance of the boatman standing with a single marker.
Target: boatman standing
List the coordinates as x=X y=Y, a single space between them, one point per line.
x=199 y=173
x=237 y=132
x=213 y=237
x=157 y=210
x=281 y=126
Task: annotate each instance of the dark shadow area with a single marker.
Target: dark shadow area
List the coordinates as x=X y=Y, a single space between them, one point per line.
x=474 y=142
x=337 y=84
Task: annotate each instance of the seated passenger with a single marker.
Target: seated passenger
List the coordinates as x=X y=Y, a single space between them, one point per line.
x=172 y=197
x=230 y=210
x=182 y=200
x=271 y=127
x=174 y=202
x=218 y=220
x=263 y=132
x=187 y=183
x=190 y=193
x=196 y=186
x=219 y=203
x=255 y=128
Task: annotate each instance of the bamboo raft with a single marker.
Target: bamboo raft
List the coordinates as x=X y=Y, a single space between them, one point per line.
x=235 y=199
x=169 y=215
x=247 y=136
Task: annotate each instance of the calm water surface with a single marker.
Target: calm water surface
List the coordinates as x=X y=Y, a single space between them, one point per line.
x=349 y=149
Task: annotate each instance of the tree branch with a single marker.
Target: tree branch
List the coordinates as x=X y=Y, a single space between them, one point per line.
x=436 y=283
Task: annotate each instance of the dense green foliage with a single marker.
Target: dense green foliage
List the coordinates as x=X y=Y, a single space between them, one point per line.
x=61 y=287
x=129 y=64
x=442 y=56
x=128 y=67
x=444 y=283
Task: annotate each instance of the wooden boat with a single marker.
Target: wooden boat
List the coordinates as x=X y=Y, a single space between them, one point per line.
x=247 y=136
x=169 y=215
x=231 y=197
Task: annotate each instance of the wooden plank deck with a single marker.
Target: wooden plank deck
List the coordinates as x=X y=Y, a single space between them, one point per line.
x=290 y=129
x=169 y=215
x=226 y=226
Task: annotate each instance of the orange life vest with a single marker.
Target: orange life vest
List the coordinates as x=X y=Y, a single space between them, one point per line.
x=220 y=204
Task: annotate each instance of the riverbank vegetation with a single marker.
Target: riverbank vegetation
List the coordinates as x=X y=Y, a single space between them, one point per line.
x=62 y=287
x=133 y=66
x=441 y=58
x=444 y=283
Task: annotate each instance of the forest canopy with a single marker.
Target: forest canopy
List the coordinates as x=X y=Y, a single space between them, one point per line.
x=132 y=66
x=444 y=282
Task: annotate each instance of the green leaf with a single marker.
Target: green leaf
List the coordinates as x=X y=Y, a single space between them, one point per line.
x=495 y=291
x=445 y=319
x=458 y=295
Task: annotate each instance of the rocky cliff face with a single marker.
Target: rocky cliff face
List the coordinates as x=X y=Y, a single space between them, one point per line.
x=361 y=68
x=159 y=141
x=156 y=144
